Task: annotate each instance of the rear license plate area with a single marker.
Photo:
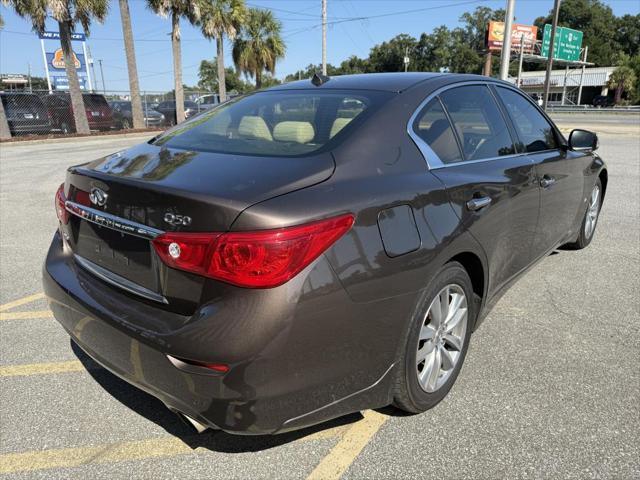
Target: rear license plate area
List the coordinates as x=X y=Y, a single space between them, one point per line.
x=123 y=254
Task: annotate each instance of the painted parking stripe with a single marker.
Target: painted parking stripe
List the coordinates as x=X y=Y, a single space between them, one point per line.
x=349 y=447
x=116 y=452
x=26 y=315
x=21 y=301
x=43 y=368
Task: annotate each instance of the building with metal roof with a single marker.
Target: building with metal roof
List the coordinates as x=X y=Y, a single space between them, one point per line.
x=569 y=86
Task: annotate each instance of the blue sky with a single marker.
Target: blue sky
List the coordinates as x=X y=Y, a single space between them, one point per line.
x=301 y=31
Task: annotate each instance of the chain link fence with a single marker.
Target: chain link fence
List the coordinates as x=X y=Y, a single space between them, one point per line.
x=42 y=114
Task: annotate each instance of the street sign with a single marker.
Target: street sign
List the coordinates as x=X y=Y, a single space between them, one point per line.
x=567 y=44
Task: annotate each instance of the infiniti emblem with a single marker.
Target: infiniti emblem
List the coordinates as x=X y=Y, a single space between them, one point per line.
x=98 y=197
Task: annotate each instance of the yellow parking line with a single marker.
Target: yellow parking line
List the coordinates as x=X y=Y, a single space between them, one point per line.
x=349 y=447
x=41 y=368
x=21 y=301
x=116 y=452
x=26 y=315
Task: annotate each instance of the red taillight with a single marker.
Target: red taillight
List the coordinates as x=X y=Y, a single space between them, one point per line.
x=259 y=259
x=61 y=210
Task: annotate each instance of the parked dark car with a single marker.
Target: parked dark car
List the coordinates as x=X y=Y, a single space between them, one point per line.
x=123 y=116
x=317 y=248
x=99 y=114
x=168 y=109
x=603 y=101
x=25 y=113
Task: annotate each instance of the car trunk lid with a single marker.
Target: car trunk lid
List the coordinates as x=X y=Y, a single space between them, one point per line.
x=118 y=203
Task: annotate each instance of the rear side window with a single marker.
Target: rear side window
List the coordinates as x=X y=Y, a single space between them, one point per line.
x=478 y=122
x=432 y=126
x=534 y=131
x=278 y=123
x=93 y=101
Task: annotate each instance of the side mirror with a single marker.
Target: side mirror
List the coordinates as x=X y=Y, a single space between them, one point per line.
x=583 y=140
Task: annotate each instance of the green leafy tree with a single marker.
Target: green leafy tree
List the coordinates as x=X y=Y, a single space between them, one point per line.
x=259 y=45
x=222 y=18
x=310 y=70
x=389 y=56
x=353 y=64
x=623 y=78
x=177 y=9
x=627 y=34
x=208 y=78
x=68 y=14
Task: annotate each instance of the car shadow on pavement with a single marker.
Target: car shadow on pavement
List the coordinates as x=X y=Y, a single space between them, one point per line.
x=154 y=410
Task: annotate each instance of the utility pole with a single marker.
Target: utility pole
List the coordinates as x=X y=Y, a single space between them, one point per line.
x=547 y=77
x=29 y=73
x=406 y=58
x=324 y=37
x=506 y=42
x=520 y=60
x=104 y=88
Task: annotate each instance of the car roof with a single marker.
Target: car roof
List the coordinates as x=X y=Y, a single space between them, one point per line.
x=391 y=82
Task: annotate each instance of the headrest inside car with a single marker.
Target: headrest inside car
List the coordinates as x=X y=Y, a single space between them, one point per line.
x=298 y=132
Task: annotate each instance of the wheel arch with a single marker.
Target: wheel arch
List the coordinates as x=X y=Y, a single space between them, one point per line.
x=604 y=179
x=475 y=269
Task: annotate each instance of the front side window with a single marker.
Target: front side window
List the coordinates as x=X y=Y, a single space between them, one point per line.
x=534 y=131
x=432 y=126
x=482 y=130
x=280 y=123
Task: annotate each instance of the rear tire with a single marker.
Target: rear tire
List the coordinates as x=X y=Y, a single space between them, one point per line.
x=436 y=343
x=590 y=220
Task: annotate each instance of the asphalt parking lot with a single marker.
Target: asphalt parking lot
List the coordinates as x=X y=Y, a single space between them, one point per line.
x=550 y=386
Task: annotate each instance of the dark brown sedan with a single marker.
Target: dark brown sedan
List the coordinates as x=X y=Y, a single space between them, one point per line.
x=316 y=249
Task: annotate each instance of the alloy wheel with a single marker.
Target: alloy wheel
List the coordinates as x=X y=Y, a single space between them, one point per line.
x=592 y=212
x=441 y=337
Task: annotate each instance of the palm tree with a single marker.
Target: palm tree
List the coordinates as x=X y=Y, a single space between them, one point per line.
x=189 y=9
x=68 y=13
x=259 y=45
x=5 y=133
x=220 y=18
x=622 y=79
x=129 y=48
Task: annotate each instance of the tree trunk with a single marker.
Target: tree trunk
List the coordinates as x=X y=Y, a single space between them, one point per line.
x=177 y=67
x=222 y=81
x=77 y=103
x=129 y=48
x=618 y=95
x=258 y=78
x=5 y=133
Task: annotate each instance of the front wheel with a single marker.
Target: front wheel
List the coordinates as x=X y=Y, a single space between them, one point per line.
x=590 y=220
x=437 y=341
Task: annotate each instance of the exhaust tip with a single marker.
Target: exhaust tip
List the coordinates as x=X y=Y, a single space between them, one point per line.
x=200 y=427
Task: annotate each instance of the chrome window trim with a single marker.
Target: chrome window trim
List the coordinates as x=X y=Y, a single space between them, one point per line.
x=431 y=159
x=112 y=221
x=118 y=281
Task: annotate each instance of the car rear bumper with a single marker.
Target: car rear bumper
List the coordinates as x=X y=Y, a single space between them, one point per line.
x=316 y=359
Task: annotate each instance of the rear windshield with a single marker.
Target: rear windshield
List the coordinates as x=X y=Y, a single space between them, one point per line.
x=21 y=101
x=276 y=123
x=92 y=101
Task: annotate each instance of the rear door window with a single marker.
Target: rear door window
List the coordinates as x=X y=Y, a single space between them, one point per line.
x=534 y=131
x=433 y=126
x=276 y=123
x=478 y=122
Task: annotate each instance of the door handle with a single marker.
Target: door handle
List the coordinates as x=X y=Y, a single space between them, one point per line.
x=547 y=181
x=477 y=203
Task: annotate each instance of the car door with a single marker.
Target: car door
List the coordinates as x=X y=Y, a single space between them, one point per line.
x=491 y=187
x=559 y=173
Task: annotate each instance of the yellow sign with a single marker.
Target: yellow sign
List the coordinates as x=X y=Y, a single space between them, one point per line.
x=58 y=59
x=495 y=36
